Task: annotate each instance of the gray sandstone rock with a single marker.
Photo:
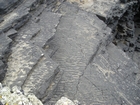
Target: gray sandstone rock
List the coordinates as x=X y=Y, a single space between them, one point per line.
x=75 y=57
x=76 y=48
x=64 y=48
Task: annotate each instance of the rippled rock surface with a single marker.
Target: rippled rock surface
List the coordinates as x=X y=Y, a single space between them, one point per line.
x=85 y=50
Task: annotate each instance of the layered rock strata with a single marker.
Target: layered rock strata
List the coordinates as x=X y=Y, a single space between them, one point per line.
x=55 y=48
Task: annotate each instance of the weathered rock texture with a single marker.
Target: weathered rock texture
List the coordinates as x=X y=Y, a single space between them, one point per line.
x=56 y=48
x=15 y=96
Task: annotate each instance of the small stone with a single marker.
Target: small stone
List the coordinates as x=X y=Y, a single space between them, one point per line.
x=16 y=89
x=20 y=103
x=76 y=102
x=34 y=100
x=64 y=101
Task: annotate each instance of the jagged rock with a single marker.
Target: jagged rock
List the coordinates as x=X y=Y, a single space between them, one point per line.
x=19 y=16
x=105 y=10
x=6 y=5
x=12 y=33
x=16 y=19
x=41 y=32
x=127 y=37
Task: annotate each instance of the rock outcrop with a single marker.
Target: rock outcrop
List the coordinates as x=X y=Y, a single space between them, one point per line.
x=85 y=50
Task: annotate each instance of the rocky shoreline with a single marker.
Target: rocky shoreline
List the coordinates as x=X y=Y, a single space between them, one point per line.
x=81 y=49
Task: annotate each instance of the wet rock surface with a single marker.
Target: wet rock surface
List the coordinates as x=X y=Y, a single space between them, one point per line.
x=55 y=48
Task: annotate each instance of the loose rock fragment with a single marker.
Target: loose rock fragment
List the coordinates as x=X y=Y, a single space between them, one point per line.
x=65 y=101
